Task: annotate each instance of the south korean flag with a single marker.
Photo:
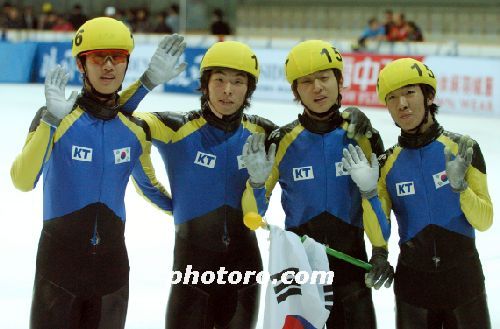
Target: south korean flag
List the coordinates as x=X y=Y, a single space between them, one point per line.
x=291 y=301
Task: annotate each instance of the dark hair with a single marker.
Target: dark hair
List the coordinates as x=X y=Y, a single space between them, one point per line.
x=429 y=93
x=205 y=77
x=338 y=76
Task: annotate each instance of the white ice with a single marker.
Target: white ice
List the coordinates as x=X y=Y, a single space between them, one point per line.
x=150 y=234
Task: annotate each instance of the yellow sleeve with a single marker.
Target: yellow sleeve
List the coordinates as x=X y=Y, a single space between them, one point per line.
x=159 y=130
x=475 y=201
x=28 y=165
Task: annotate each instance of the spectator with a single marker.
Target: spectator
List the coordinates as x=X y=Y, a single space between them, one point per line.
x=47 y=18
x=160 y=25
x=219 y=26
x=172 y=19
x=14 y=19
x=29 y=19
x=3 y=16
x=398 y=31
x=374 y=31
x=389 y=22
x=414 y=32
x=141 y=22
x=77 y=18
x=61 y=24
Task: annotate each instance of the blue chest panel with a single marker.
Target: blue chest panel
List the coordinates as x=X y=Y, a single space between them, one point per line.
x=313 y=180
x=90 y=163
x=205 y=171
x=421 y=194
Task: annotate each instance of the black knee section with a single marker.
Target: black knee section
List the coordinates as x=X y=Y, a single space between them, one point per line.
x=187 y=308
x=352 y=308
x=247 y=308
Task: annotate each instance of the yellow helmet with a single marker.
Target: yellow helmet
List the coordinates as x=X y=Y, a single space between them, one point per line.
x=231 y=54
x=403 y=72
x=310 y=56
x=102 y=33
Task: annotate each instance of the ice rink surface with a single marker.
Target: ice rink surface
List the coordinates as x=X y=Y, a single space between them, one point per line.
x=150 y=234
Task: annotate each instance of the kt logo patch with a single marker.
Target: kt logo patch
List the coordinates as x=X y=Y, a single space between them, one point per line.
x=205 y=160
x=122 y=155
x=405 y=188
x=81 y=153
x=302 y=173
x=440 y=179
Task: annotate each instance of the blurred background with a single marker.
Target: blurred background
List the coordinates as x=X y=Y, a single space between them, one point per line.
x=458 y=39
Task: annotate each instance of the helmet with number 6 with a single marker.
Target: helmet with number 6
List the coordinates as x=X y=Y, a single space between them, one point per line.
x=102 y=33
x=310 y=56
x=233 y=55
x=403 y=72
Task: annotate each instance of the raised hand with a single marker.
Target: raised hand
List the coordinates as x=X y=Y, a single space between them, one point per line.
x=258 y=163
x=362 y=173
x=57 y=104
x=456 y=168
x=163 y=65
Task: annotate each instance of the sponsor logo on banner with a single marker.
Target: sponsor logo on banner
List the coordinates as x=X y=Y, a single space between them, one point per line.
x=122 y=155
x=81 y=153
x=405 y=188
x=440 y=179
x=302 y=173
x=205 y=160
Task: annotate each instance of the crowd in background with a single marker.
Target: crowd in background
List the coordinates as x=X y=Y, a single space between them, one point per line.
x=139 y=20
x=395 y=28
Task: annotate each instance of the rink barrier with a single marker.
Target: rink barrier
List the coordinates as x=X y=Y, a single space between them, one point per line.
x=465 y=84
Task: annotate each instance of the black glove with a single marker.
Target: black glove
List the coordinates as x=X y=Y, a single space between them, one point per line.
x=381 y=272
x=359 y=124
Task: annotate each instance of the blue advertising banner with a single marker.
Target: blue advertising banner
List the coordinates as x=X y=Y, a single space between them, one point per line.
x=16 y=61
x=50 y=54
x=188 y=81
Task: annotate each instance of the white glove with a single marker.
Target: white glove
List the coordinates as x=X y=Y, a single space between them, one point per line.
x=258 y=163
x=57 y=105
x=456 y=168
x=364 y=175
x=162 y=67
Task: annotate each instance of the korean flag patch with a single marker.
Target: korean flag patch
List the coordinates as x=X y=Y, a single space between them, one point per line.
x=122 y=155
x=440 y=179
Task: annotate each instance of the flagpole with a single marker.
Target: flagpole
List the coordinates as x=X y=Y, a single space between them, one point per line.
x=254 y=221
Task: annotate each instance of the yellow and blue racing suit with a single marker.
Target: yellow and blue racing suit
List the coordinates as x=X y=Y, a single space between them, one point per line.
x=438 y=266
x=86 y=162
x=202 y=156
x=321 y=201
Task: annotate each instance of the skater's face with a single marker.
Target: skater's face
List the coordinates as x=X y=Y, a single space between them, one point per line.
x=227 y=89
x=407 y=108
x=318 y=91
x=105 y=69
